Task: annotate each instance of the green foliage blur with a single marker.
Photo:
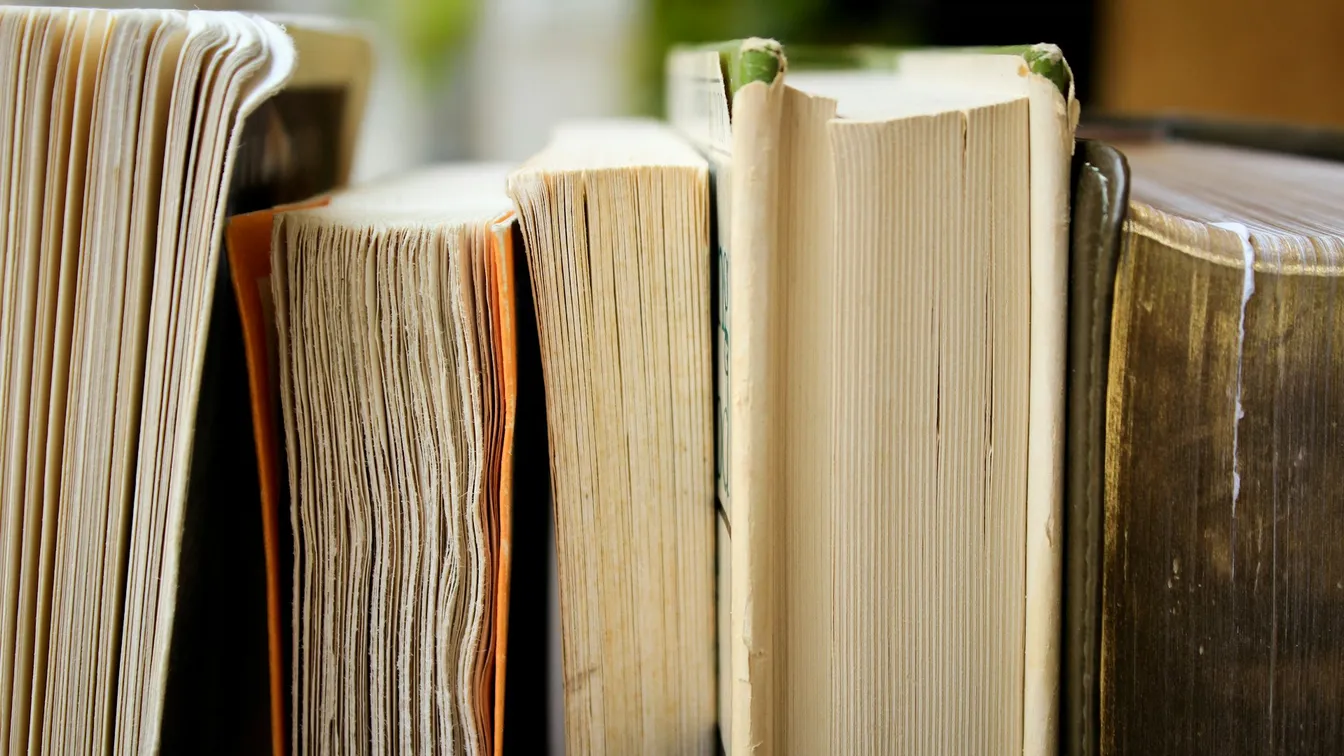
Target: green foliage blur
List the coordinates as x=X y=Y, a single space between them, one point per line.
x=431 y=31
x=793 y=22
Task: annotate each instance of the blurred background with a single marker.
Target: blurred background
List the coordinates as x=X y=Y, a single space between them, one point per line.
x=488 y=79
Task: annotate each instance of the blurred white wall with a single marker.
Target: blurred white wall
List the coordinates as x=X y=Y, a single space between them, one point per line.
x=537 y=62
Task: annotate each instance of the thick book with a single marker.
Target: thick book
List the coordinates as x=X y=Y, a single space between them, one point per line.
x=616 y=224
x=395 y=311
x=130 y=619
x=397 y=337
x=1203 y=615
x=398 y=417
x=892 y=305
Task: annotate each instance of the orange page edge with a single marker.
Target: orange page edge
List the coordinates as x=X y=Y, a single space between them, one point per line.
x=504 y=302
x=248 y=240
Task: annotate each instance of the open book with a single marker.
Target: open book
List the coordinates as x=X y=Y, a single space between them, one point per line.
x=125 y=138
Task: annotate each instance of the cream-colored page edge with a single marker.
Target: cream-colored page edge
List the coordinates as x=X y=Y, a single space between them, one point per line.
x=1052 y=119
x=24 y=230
x=264 y=84
x=140 y=604
x=698 y=107
x=86 y=63
x=48 y=222
x=753 y=388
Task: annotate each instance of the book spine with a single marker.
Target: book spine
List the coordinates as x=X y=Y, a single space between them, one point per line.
x=1052 y=120
x=753 y=322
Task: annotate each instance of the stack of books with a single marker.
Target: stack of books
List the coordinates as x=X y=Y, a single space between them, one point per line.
x=876 y=411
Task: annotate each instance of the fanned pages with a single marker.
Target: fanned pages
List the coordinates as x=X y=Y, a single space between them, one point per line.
x=892 y=319
x=616 y=222
x=118 y=137
x=396 y=326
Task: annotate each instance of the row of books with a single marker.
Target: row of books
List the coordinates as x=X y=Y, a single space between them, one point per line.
x=876 y=412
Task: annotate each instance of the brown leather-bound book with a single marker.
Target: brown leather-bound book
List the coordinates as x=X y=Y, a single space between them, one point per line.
x=1100 y=196
x=1220 y=530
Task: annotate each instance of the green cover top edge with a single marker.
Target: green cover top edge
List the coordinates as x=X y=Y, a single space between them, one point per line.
x=746 y=60
x=1041 y=59
x=757 y=59
x=1048 y=61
